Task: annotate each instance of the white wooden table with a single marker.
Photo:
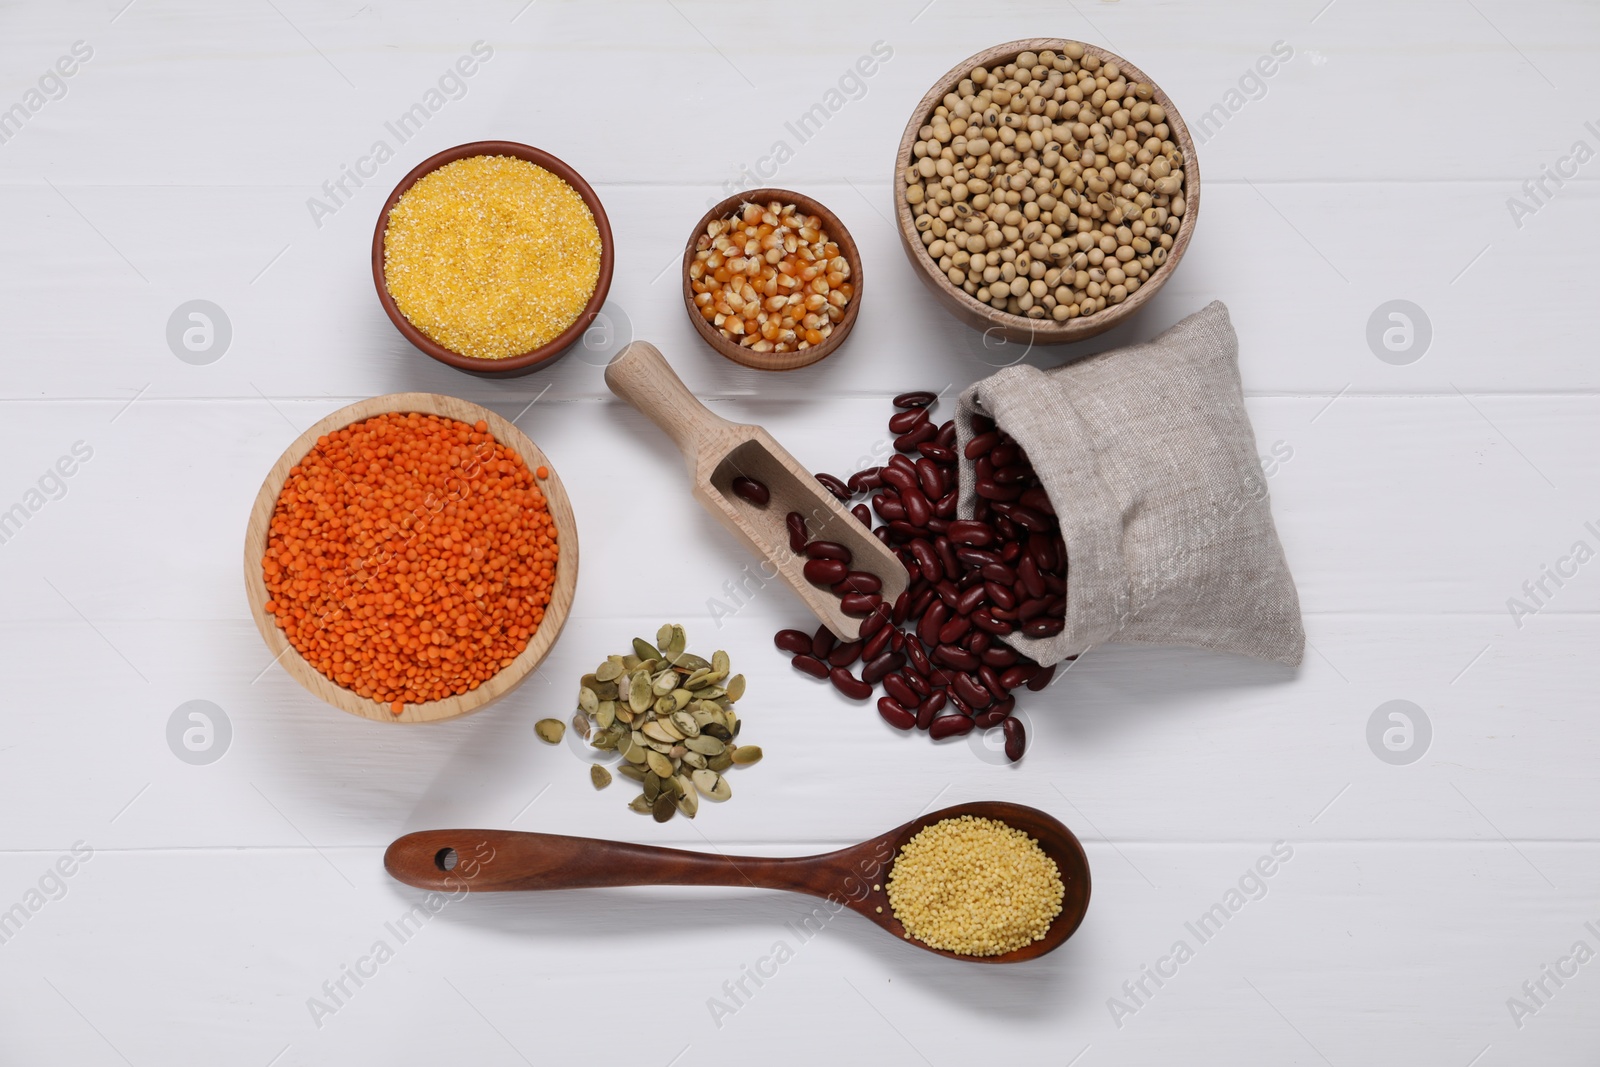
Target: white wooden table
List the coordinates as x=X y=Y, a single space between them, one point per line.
x=1421 y=489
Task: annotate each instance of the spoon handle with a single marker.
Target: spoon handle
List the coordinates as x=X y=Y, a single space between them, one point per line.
x=500 y=860
x=640 y=375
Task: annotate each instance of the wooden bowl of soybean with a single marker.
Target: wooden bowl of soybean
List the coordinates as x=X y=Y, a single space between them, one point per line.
x=508 y=677
x=744 y=354
x=922 y=233
x=535 y=358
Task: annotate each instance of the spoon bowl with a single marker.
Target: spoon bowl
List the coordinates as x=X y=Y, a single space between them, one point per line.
x=486 y=861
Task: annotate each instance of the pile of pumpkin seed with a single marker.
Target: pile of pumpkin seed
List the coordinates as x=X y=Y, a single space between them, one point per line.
x=670 y=714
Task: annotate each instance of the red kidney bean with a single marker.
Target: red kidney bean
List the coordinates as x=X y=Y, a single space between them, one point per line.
x=927 y=560
x=937 y=452
x=947 y=437
x=1005 y=452
x=985 y=621
x=1001 y=595
x=873 y=672
x=858 y=582
x=990 y=718
x=957 y=703
x=894 y=714
x=810 y=665
x=1032 y=609
x=929 y=477
x=978 y=642
x=933 y=621
x=980 y=445
x=797 y=531
x=987 y=489
x=983 y=469
x=918 y=510
x=845 y=653
x=878 y=642
x=999 y=657
x=949 y=726
x=924 y=431
x=920 y=604
x=906 y=421
x=888 y=507
x=1047 y=626
x=849 y=684
x=904 y=531
x=1037 y=499
x=1014 y=677
x=900 y=463
x=940 y=678
x=1011 y=553
x=1042 y=552
x=897 y=640
x=954 y=630
x=1028 y=519
x=968 y=532
x=863 y=480
x=752 y=490
x=947 y=555
x=919 y=398
x=971 y=692
x=834 y=485
x=998 y=572
x=822 y=642
x=828 y=550
x=895 y=685
x=945 y=506
x=795 y=642
x=1008 y=475
x=975 y=557
x=948 y=593
x=920 y=685
x=932 y=705
x=959 y=658
x=902 y=608
x=825 y=571
x=1016 y=739
x=917 y=659
x=898 y=479
x=1028 y=574
x=991 y=680
x=882 y=535
x=863 y=515
x=1004 y=528
x=970 y=600
x=1041 y=678
x=858 y=604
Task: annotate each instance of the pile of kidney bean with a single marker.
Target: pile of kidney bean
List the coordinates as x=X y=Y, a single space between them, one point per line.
x=935 y=650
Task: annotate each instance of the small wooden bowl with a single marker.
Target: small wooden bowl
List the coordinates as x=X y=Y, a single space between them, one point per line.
x=534 y=359
x=555 y=615
x=1019 y=328
x=776 y=360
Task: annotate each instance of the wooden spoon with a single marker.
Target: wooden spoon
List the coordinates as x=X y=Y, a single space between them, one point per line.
x=487 y=861
x=718 y=451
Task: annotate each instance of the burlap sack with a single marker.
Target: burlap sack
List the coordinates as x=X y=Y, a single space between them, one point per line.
x=1150 y=463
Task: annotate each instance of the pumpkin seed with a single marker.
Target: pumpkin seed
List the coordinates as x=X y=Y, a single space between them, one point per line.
x=719 y=661
x=665 y=682
x=677 y=640
x=697 y=678
x=664 y=807
x=550 y=731
x=689 y=801
x=657 y=732
x=695 y=760
x=580 y=723
x=745 y=755
x=717 y=730
x=707 y=746
x=628 y=770
x=736 y=687
x=644 y=649
x=639 y=698
x=599 y=776
x=640 y=804
x=686 y=724
x=588 y=681
x=587 y=701
x=630 y=662
x=719 y=763
x=652 y=786
x=712 y=785
x=632 y=752
x=605 y=714
x=689 y=661
x=664 y=637
x=681 y=699
x=660 y=763
x=606 y=690
x=608 y=671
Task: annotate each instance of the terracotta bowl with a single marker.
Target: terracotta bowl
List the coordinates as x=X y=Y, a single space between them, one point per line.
x=555 y=616
x=776 y=360
x=1019 y=328
x=527 y=362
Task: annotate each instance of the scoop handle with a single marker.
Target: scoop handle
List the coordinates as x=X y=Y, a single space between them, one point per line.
x=640 y=375
x=479 y=861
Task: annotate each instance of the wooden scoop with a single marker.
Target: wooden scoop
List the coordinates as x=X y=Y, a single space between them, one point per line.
x=489 y=861
x=718 y=451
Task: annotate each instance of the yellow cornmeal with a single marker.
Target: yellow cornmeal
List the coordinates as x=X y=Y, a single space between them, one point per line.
x=974 y=886
x=491 y=256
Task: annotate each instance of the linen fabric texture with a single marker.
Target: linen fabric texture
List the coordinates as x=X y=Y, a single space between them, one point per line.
x=1150 y=462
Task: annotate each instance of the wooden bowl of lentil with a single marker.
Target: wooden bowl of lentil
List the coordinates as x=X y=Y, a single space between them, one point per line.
x=1021 y=328
x=560 y=589
x=743 y=354
x=534 y=358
